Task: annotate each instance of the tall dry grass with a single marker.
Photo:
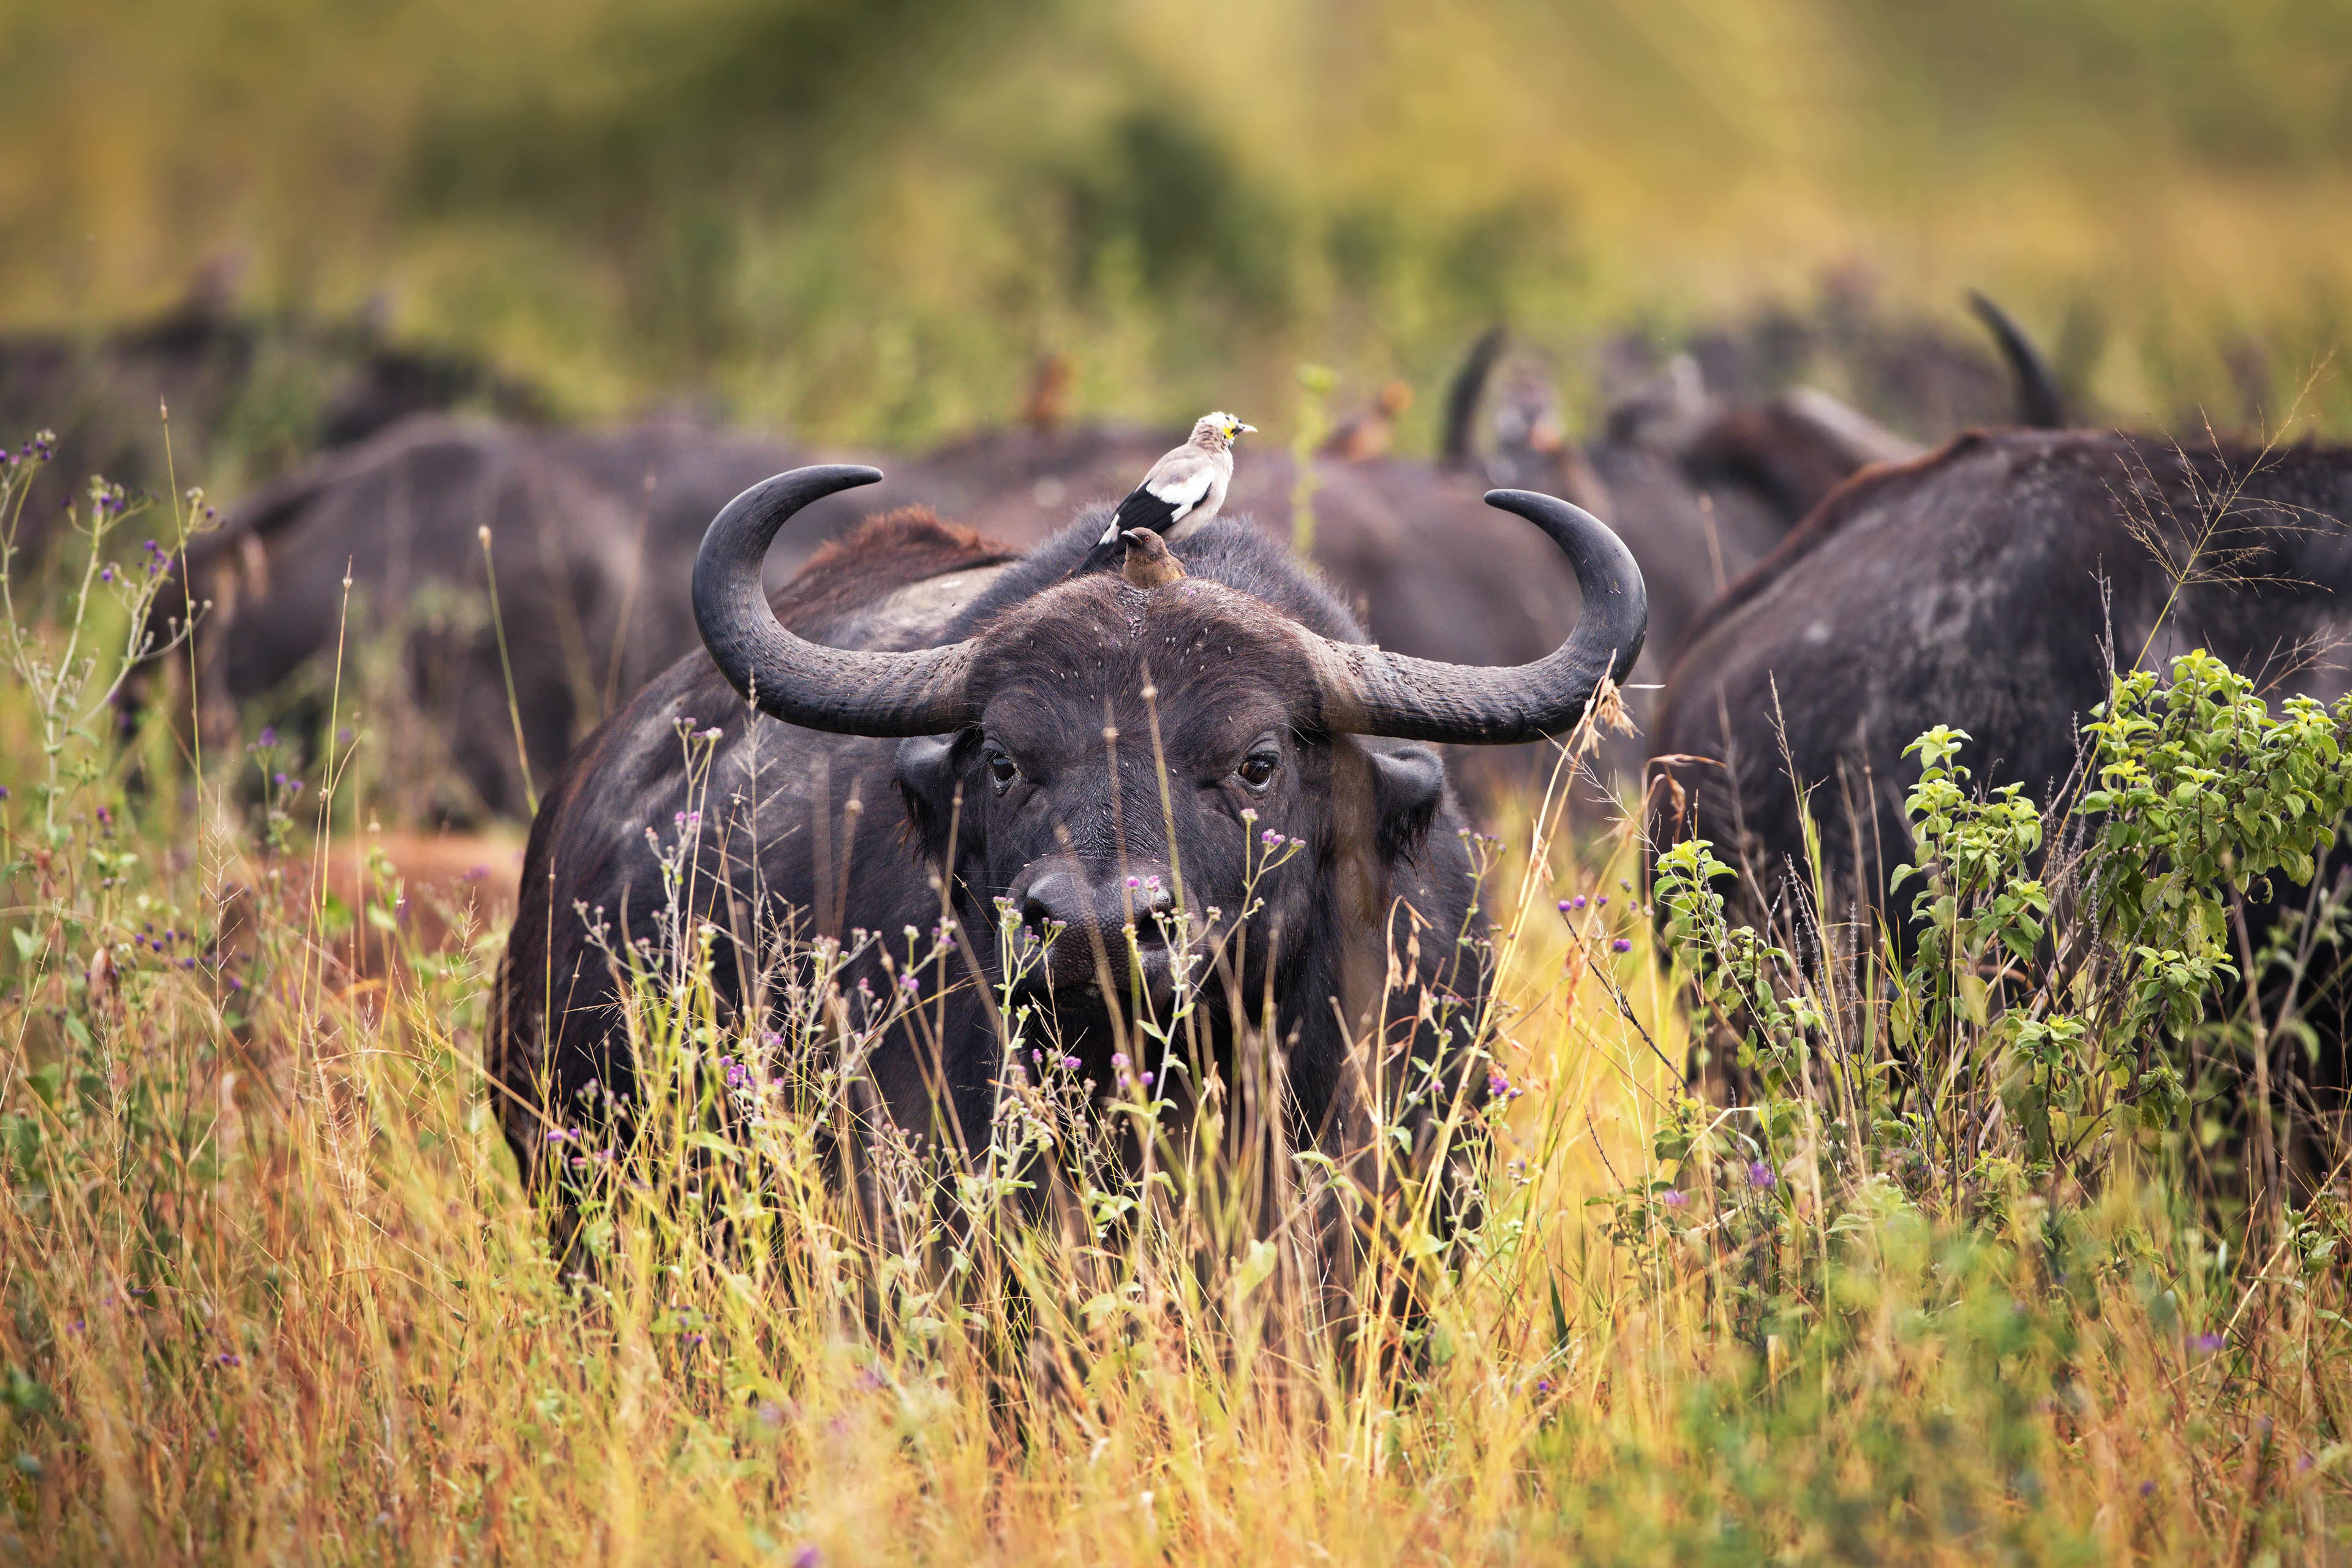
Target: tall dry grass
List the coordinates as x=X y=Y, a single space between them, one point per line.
x=273 y=1290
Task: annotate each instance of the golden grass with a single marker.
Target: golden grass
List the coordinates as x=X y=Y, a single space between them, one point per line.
x=272 y=1294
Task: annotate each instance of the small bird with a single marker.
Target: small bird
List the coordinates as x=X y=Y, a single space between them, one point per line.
x=1368 y=434
x=1149 y=563
x=1182 y=490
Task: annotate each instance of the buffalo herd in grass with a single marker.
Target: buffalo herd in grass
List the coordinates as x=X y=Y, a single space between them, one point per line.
x=863 y=701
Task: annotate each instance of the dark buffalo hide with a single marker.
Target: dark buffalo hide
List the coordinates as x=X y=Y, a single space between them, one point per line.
x=1983 y=588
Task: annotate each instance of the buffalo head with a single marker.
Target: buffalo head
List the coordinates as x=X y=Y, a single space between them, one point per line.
x=1106 y=757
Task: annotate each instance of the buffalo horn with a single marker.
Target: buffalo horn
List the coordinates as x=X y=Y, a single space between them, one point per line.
x=849 y=692
x=1367 y=691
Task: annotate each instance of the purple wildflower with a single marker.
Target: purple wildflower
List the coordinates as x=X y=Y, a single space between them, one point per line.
x=2208 y=1342
x=807 y=1557
x=1760 y=1174
x=2147 y=1488
x=270 y=734
x=229 y=1358
x=1623 y=944
x=1071 y=1063
x=1674 y=1198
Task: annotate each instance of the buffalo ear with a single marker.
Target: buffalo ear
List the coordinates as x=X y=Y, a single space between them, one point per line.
x=1408 y=786
x=929 y=771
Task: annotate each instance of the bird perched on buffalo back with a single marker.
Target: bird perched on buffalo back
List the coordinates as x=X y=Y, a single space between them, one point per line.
x=1182 y=490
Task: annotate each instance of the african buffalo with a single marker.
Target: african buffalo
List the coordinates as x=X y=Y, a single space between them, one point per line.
x=1987 y=587
x=381 y=547
x=941 y=726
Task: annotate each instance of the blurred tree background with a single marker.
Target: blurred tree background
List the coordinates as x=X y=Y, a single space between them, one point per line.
x=866 y=219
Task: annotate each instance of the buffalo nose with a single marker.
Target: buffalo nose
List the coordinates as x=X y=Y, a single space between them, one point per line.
x=1057 y=897
x=1069 y=898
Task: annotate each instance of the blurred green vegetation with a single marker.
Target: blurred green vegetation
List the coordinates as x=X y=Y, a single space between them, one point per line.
x=868 y=220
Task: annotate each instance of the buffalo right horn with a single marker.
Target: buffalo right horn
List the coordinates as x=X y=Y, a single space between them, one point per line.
x=1368 y=691
x=847 y=692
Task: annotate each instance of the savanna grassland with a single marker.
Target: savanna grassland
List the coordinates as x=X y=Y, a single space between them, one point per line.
x=2015 y=1250
x=1989 y=1269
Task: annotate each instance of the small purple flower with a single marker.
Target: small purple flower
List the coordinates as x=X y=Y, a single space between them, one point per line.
x=1118 y=1060
x=1543 y=1386
x=1674 y=1198
x=1498 y=1083
x=270 y=734
x=1145 y=1080
x=105 y=575
x=2147 y=1488
x=1760 y=1174
x=807 y=1557
x=1601 y=902
x=1623 y=944
x=2207 y=1343
x=1071 y=1063
x=1133 y=883
x=229 y=1358
x=909 y=984
x=1566 y=905
x=1269 y=838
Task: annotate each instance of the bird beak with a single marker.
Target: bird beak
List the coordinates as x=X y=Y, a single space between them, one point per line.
x=1241 y=429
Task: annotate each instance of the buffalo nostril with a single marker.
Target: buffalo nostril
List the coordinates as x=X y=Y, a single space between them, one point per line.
x=1053 y=899
x=1154 y=910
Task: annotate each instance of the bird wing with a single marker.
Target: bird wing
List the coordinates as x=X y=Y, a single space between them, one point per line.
x=1176 y=484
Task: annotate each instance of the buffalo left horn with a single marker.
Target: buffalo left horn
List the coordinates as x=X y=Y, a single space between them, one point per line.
x=847 y=692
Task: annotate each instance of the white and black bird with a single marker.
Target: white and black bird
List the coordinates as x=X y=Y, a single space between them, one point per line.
x=1182 y=490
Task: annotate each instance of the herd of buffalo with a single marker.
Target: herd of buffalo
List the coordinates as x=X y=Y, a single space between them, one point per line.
x=948 y=728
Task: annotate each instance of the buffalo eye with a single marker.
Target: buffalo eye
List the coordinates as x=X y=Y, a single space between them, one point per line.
x=1002 y=771
x=1257 y=768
